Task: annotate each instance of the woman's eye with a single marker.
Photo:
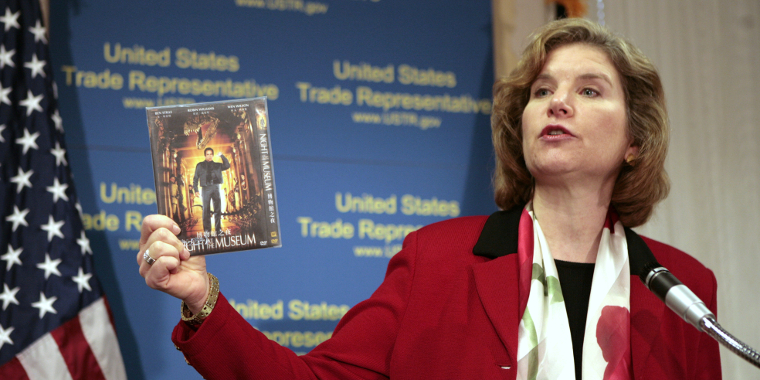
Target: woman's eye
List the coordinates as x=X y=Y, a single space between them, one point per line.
x=589 y=92
x=541 y=92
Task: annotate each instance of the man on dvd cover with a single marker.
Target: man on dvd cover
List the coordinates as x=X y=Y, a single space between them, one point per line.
x=208 y=174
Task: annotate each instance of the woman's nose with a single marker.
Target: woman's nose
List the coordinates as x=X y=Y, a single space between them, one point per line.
x=560 y=105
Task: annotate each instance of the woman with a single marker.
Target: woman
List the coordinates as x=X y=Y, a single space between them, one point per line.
x=580 y=133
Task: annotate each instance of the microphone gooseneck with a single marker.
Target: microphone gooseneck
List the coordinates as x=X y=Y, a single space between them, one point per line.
x=686 y=304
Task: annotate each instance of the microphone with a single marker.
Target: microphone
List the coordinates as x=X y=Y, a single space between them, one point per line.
x=686 y=304
x=675 y=294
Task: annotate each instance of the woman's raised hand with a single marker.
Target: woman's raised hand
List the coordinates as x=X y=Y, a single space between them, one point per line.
x=173 y=271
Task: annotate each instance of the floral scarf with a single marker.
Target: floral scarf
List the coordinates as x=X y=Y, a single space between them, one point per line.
x=544 y=344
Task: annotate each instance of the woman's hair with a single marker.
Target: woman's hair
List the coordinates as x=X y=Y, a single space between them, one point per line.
x=643 y=182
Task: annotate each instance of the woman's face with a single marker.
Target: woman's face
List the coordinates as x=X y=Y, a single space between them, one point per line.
x=575 y=123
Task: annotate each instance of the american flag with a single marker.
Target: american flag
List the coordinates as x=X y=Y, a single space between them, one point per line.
x=54 y=321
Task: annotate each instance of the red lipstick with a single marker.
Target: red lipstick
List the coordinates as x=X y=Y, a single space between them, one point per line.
x=555 y=132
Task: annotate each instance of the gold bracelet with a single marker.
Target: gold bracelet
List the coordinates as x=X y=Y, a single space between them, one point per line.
x=213 y=294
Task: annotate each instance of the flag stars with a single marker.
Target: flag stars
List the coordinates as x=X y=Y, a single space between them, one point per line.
x=32 y=103
x=53 y=228
x=12 y=257
x=45 y=305
x=29 y=140
x=10 y=19
x=41 y=136
x=36 y=66
x=84 y=243
x=58 y=190
x=82 y=280
x=17 y=218
x=22 y=179
x=5 y=336
x=39 y=32
x=79 y=210
x=9 y=295
x=50 y=266
x=6 y=57
x=57 y=120
x=60 y=154
x=4 y=92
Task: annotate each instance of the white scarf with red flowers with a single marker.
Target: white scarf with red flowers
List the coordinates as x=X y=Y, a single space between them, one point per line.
x=544 y=345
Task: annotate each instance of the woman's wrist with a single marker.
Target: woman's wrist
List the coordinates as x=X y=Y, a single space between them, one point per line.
x=195 y=304
x=195 y=314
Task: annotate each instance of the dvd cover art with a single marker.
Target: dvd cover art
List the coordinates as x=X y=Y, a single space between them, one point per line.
x=212 y=166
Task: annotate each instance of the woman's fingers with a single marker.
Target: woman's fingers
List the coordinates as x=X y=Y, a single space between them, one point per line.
x=184 y=279
x=169 y=267
x=157 y=276
x=154 y=222
x=159 y=251
x=159 y=228
x=186 y=284
x=172 y=271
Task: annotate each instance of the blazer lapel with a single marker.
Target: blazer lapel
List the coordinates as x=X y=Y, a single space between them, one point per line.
x=497 y=279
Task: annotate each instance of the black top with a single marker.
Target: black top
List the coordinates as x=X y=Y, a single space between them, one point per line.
x=575 y=280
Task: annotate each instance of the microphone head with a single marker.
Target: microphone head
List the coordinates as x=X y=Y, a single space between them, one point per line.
x=646 y=269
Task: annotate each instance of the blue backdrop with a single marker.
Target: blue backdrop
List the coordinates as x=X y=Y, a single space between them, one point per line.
x=379 y=115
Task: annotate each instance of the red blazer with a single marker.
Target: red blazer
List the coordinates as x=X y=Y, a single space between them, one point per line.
x=448 y=309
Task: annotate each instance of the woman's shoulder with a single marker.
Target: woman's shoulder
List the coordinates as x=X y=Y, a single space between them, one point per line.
x=668 y=255
x=684 y=266
x=454 y=229
x=446 y=239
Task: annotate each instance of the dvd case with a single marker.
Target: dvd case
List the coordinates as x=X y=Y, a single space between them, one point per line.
x=212 y=165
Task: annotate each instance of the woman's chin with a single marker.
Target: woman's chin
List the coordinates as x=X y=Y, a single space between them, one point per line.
x=556 y=168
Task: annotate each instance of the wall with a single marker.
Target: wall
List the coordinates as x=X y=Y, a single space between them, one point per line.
x=334 y=139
